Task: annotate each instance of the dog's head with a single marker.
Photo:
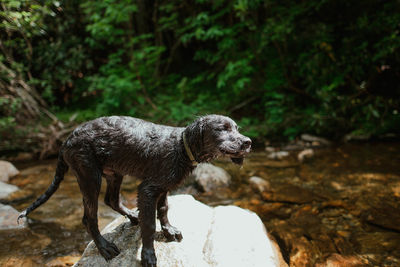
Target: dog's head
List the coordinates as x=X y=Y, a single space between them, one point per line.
x=214 y=136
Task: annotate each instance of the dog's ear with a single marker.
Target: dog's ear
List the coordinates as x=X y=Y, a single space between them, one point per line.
x=201 y=125
x=194 y=133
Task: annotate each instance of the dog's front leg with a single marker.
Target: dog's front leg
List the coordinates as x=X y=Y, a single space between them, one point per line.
x=147 y=202
x=170 y=232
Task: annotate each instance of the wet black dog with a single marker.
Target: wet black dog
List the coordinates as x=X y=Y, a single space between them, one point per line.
x=162 y=156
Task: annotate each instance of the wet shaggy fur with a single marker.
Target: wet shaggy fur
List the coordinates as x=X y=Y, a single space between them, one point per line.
x=112 y=147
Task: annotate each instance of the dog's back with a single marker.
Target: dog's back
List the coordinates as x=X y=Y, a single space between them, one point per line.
x=123 y=144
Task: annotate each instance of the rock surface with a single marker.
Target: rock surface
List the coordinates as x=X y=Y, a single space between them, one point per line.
x=6 y=190
x=278 y=155
x=339 y=209
x=63 y=261
x=305 y=154
x=210 y=177
x=8 y=218
x=312 y=138
x=7 y=170
x=221 y=236
x=259 y=184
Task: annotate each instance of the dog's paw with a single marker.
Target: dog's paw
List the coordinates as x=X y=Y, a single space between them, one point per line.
x=148 y=258
x=108 y=250
x=172 y=233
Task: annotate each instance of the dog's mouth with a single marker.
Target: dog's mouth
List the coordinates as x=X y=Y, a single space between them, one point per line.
x=236 y=156
x=238 y=161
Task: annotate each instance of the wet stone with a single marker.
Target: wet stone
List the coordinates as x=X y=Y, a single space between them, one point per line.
x=305 y=154
x=290 y=193
x=8 y=218
x=18 y=196
x=207 y=239
x=382 y=212
x=259 y=185
x=6 y=190
x=210 y=177
x=278 y=155
x=63 y=261
x=342 y=207
x=311 y=138
x=366 y=243
x=11 y=254
x=337 y=260
x=266 y=210
x=7 y=170
x=19 y=262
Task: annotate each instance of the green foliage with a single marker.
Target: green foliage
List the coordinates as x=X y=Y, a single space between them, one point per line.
x=9 y=132
x=280 y=67
x=8 y=108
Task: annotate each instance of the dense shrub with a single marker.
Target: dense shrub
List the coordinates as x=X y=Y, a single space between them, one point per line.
x=280 y=67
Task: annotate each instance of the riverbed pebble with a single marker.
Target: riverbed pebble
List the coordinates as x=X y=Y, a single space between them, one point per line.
x=7 y=170
x=8 y=218
x=278 y=155
x=6 y=190
x=259 y=184
x=209 y=177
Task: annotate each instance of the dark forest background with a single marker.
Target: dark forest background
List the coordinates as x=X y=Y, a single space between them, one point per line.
x=280 y=68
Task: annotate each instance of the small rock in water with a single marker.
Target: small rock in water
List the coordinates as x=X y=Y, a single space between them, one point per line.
x=339 y=260
x=7 y=170
x=278 y=155
x=356 y=137
x=259 y=184
x=270 y=149
x=311 y=138
x=63 y=261
x=210 y=177
x=18 y=261
x=8 y=218
x=6 y=190
x=305 y=154
x=315 y=143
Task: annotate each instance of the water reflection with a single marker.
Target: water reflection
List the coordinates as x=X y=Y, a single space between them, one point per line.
x=344 y=201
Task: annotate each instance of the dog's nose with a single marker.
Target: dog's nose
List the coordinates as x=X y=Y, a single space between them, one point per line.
x=246 y=142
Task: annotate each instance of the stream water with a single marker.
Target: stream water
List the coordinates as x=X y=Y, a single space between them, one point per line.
x=340 y=206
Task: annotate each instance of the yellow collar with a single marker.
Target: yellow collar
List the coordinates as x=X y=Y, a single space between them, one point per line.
x=188 y=151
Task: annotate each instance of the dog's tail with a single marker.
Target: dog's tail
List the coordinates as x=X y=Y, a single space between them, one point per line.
x=61 y=169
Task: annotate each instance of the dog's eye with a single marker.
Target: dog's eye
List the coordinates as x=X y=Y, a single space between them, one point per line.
x=227 y=127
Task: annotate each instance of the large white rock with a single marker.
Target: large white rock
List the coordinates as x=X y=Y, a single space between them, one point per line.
x=6 y=190
x=210 y=177
x=7 y=170
x=222 y=236
x=237 y=237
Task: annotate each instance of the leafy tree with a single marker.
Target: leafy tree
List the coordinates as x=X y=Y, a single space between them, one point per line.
x=280 y=67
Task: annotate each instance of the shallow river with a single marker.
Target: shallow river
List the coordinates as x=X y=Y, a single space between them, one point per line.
x=342 y=206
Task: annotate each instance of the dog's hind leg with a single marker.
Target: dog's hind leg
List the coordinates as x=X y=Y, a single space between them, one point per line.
x=170 y=232
x=89 y=179
x=112 y=198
